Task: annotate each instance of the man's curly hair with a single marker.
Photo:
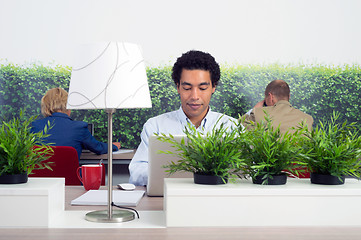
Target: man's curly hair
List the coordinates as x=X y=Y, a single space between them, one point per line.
x=196 y=60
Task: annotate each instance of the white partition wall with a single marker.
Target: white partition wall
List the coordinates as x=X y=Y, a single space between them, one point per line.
x=32 y=204
x=298 y=203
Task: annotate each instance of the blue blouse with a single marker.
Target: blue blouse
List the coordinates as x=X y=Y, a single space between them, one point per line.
x=67 y=132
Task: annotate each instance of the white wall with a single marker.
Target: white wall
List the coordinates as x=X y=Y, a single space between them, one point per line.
x=234 y=31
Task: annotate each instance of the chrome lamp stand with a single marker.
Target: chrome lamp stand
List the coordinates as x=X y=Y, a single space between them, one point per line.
x=110 y=215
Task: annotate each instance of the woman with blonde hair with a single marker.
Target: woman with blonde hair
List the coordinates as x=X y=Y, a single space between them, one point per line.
x=65 y=131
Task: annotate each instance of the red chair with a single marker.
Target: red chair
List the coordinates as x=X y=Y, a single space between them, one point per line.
x=65 y=164
x=304 y=174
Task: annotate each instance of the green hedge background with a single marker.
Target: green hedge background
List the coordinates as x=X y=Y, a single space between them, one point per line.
x=315 y=89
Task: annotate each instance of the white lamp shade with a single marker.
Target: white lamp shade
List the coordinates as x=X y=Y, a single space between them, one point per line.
x=108 y=76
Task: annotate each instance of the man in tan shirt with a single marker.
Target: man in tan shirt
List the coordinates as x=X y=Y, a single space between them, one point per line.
x=276 y=104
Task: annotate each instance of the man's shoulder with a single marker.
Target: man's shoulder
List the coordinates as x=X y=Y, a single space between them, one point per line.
x=303 y=115
x=296 y=111
x=216 y=118
x=164 y=120
x=169 y=122
x=164 y=116
x=283 y=110
x=223 y=117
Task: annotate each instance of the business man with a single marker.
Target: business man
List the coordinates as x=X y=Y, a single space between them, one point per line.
x=276 y=105
x=196 y=75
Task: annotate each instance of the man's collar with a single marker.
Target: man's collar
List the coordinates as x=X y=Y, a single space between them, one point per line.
x=185 y=120
x=282 y=102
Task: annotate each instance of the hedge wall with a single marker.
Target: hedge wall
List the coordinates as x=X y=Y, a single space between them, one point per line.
x=315 y=89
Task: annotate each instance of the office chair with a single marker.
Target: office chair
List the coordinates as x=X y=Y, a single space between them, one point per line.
x=305 y=174
x=65 y=163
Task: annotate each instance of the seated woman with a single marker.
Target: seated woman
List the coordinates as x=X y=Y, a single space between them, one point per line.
x=65 y=131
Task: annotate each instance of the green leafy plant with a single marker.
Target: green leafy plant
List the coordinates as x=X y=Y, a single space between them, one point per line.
x=212 y=153
x=334 y=148
x=268 y=152
x=22 y=151
x=316 y=89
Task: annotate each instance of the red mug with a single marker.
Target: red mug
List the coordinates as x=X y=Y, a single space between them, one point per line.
x=91 y=176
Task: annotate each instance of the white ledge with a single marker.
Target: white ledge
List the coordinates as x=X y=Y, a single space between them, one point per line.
x=297 y=203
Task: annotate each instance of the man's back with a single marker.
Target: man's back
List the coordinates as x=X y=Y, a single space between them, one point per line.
x=283 y=114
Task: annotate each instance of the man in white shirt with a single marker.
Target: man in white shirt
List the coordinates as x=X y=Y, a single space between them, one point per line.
x=196 y=75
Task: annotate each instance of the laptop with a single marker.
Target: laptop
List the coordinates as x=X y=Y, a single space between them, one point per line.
x=91 y=130
x=156 y=161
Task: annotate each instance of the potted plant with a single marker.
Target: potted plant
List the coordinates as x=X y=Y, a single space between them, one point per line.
x=21 y=151
x=269 y=154
x=212 y=157
x=333 y=151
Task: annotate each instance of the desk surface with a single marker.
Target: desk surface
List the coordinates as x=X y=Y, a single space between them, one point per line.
x=156 y=203
x=90 y=155
x=146 y=203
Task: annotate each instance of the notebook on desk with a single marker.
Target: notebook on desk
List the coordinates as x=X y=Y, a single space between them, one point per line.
x=156 y=161
x=100 y=197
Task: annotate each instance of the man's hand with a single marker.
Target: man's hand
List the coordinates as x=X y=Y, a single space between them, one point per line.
x=259 y=104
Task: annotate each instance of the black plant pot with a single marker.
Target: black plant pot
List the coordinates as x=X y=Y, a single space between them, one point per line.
x=14 y=178
x=275 y=180
x=318 y=178
x=209 y=179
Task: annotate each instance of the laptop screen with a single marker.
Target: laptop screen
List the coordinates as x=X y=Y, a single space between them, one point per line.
x=91 y=128
x=156 y=161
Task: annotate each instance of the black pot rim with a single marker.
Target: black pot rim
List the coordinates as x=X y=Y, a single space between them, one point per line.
x=14 y=178
x=326 y=179
x=278 y=179
x=200 y=178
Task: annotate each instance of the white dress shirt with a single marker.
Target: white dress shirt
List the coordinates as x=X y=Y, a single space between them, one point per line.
x=168 y=123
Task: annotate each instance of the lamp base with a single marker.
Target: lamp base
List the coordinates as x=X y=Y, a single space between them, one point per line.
x=117 y=216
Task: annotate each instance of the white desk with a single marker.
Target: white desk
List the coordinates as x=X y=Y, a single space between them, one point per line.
x=179 y=233
x=118 y=158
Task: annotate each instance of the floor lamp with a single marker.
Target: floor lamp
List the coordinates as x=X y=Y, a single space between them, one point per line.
x=109 y=76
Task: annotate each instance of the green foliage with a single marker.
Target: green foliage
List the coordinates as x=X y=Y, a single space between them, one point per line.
x=212 y=153
x=23 y=87
x=315 y=89
x=22 y=151
x=268 y=152
x=334 y=148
